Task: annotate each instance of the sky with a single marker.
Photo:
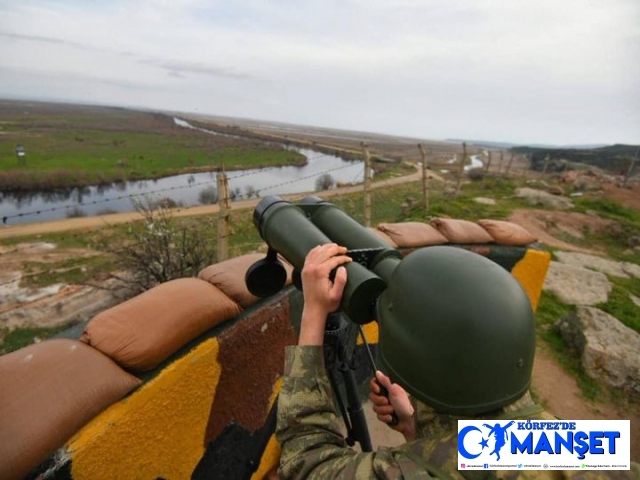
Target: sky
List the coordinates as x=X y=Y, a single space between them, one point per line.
x=528 y=71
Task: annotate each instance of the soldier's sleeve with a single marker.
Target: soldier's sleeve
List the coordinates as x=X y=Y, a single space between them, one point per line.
x=310 y=432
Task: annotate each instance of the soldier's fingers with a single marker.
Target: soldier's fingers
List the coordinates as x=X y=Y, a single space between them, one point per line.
x=334 y=262
x=374 y=386
x=383 y=409
x=328 y=250
x=385 y=418
x=378 y=400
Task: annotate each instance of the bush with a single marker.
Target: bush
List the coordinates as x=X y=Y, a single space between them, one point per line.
x=476 y=173
x=76 y=212
x=208 y=196
x=162 y=248
x=324 y=182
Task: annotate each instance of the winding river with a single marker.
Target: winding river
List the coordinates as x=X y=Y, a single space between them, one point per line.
x=186 y=189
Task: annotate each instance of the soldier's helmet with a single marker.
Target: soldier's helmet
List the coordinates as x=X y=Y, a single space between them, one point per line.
x=456 y=331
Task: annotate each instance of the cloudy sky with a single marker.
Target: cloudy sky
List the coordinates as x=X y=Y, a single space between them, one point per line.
x=525 y=71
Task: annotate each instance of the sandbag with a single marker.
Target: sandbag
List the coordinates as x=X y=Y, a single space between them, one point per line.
x=228 y=276
x=507 y=233
x=461 y=231
x=412 y=234
x=383 y=236
x=145 y=330
x=48 y=391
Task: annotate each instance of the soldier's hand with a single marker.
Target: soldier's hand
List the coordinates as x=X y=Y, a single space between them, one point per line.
x=321 y=294
x=397 y=402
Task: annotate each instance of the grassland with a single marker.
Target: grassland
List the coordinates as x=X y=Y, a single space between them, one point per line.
x=72 y=146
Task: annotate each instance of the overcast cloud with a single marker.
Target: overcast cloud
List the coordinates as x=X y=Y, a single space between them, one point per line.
x=527 y=71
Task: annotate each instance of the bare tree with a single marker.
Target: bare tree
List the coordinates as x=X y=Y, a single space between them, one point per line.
x=250 y=191
x=160 y=249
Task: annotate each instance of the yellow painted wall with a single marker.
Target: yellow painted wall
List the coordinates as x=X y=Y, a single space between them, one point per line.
x=141 y=436
x=531 y=272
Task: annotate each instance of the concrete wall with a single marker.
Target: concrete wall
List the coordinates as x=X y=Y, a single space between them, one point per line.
x=201 y=413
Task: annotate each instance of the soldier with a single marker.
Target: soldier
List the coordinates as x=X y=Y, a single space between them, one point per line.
x=462 y=347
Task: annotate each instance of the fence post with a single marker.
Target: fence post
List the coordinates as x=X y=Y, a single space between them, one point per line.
x=223 y=216
x=506 y=173
x=486 y=168
x=501 y=161
x=367 y=183
x=425 y=177
x=546 y=166
x=461 y=167
x=631 y=165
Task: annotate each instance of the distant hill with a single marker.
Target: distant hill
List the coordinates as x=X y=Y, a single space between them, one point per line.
x=613 y=158
x=508 y=145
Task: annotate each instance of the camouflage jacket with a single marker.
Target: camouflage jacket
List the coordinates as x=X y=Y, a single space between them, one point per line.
x=313 y=446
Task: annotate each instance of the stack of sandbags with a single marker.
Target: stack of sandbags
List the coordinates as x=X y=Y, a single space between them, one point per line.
x=144 y=331
x=461 y=231
x=412 y=234
x=48 y=391
x=449 y=230
x=507 y=233
x=229 y=276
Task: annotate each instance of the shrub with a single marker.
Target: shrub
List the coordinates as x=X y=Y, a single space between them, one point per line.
x=324 y=182
x=162 y=248
x=208 y=196
x=76 y=212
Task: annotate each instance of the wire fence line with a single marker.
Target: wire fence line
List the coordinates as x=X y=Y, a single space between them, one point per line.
x=7 y=218
x=150 y=193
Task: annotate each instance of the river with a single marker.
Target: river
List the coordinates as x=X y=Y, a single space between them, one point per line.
x=186 y=189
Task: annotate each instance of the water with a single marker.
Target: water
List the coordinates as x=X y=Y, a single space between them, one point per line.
x=476 y=162
x=183 y=189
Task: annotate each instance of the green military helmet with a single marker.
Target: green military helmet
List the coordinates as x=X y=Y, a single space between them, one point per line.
x=456 y=331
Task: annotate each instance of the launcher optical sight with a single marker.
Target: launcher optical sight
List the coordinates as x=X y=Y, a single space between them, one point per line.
x=292 y=230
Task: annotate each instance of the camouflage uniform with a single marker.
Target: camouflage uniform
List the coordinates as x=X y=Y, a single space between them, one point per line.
x=313 y=445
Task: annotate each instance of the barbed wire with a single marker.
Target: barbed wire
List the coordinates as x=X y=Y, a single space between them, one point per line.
x=131 y=196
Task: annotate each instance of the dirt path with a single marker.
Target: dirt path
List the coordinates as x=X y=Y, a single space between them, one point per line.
x=546 y=225
x=561 y=395
x=87 y=223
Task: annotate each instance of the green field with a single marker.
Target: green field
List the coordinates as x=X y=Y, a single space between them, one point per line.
x=71 y=146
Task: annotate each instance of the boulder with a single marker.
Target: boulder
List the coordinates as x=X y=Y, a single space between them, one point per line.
x=608 y=349
x=535 y=197
x=586 y=182
x=576 y=285
x=604 y=265
x=484 y=201
x=555 y=190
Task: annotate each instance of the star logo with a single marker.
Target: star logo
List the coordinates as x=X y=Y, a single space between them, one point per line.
x=484 y=443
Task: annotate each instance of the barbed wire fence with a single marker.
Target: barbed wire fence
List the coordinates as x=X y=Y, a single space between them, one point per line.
x=224 y=214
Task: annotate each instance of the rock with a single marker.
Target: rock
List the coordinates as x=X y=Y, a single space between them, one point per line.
x=555 y=190
x=635 y=300
x=540 y=197
x=71 y=304
x=586 y=182
x=577 y=286
x=608 y=349
x=634 y=241
x=484 y=201
x=610 y=267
